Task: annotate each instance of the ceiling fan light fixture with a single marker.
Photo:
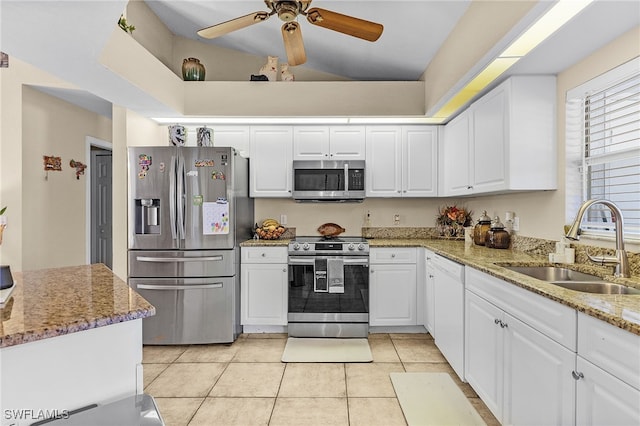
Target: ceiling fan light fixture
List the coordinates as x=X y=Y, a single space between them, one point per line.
x=287 y=10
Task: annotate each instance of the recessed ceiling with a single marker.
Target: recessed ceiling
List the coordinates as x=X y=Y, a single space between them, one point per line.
x=413 y=33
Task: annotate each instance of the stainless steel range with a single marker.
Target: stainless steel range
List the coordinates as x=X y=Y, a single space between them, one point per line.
x=328 y=287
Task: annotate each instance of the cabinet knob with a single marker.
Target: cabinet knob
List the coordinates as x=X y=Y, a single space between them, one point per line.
x=263 y=254
x=284 y=269
x=577 y=375
x=469 y=187
x=393 y=255
x=496 y=321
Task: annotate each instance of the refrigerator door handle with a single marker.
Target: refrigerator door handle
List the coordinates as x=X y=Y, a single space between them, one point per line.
x=181 y=197
x=179 y=287
x=177 y=259
x=172 y=198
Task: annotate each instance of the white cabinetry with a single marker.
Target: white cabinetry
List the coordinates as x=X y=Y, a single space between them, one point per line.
x=234 y=136
x=271 y=161
x=607 y=374
x=512 y=358
x=449 y=311
x=503 y=142
x=402 y=161
x=263 y=289
x=328 y=143
x=392 y=287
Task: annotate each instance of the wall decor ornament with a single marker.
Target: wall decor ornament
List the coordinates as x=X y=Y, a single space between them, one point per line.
x=270 y=69
x=285 y=73
x=80 y=167
x=177 y=135
x=192 y=70
x=204 y=136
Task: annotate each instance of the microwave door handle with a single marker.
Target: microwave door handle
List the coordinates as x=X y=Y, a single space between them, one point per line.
x=346 y=176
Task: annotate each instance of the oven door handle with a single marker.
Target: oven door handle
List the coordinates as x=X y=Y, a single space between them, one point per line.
x=302 y=261
x=349 y=261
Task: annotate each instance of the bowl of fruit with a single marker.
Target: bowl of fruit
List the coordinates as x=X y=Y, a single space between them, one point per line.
x=270 y=229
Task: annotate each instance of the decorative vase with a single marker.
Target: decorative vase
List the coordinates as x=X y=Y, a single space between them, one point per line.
x=270 y=69
x=192 y=70
x=177 y=135
x=285 y=73
x=204 y=136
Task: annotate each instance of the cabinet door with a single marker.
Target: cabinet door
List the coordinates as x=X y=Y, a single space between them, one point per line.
x=603 y=399
x=234 y=136
x=384 y=161
x=264 y=294
x=270 y=166
x=538 y=386
x=490 y=159
x=419 y=161
x=311 y=143
x=392 y=299
x=483 y=351
x=430 y=295
x=449 y=318
x=456 y=167
x=347 y=143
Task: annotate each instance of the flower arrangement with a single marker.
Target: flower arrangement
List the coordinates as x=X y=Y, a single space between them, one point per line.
x=451 y=221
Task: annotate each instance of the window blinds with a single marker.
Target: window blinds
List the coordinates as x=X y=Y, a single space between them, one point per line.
x=611 y=154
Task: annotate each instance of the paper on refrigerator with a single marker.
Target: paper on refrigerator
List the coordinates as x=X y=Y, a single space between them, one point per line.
x=215 y=218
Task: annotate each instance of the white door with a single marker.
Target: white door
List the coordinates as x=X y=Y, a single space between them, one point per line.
x=311 y=143
x=263 y=294
x=538 y=386
x=271 y=161
x=484 y=339
x=392 y=295
x=449 y=315
x=490 y=159
x=384 y=161
x=456 y=171
x=347 y=143
x=419 y=161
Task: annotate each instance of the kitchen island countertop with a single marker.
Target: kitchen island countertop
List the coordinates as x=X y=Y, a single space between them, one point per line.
x=53 y=302
x=623 y=311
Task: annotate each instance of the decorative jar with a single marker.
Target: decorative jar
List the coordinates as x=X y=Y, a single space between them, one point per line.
x=192 y=70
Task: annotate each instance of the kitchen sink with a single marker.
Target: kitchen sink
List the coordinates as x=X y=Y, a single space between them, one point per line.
x=552 y=273
x=573 y=280
x=597 y=287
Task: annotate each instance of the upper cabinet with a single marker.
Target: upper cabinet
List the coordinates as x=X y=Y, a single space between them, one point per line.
x=271 y=161
x=234 y=136
x=401 y=161
x=504 y=142
x=328 y=143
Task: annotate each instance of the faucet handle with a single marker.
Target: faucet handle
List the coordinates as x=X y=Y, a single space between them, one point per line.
x=603 y=259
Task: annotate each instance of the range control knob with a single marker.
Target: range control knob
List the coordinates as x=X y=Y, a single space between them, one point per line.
x=360 y=246
x=305 y=246
x=296 y=246
x=351 y=246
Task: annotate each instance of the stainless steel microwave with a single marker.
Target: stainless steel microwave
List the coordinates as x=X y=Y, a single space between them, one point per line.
x=328 y=180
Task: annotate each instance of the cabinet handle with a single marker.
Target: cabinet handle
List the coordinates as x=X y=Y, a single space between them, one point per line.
x=504 y=324
x=393 y=255
x=263 y=254
x=497 y=321
x=577 y=375
x=431 y=276
x=284 y=269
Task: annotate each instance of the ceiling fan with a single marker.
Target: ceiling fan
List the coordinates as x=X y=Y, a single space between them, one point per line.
x=288 y=11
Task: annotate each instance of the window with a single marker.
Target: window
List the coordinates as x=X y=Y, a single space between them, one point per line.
x=603 y=149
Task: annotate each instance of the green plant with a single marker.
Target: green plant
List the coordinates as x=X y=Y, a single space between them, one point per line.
x=122 y=22
x=3 y=210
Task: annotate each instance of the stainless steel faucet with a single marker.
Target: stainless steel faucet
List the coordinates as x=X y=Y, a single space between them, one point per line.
x=620 y=259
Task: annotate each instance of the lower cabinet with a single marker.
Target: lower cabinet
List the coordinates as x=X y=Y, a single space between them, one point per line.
x=263 y=286
x=429 y=293
x=515 y=369
x=392 y=287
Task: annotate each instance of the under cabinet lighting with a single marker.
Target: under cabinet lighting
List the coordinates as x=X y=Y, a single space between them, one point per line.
x=201 y=121
x=549 y=23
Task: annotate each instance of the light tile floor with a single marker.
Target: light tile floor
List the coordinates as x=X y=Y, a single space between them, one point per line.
x=246 y=384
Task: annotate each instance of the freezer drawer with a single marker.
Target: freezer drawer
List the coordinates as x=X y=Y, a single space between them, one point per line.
x=189 y=311
x=181 y=263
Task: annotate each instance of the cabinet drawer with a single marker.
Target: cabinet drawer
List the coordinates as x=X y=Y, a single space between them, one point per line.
x=611 y=348
x=552 y=319
x=393 y=255
x=264 y=254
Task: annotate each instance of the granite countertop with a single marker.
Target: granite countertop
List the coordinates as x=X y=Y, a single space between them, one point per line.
x=53 y=302
x=622 y=311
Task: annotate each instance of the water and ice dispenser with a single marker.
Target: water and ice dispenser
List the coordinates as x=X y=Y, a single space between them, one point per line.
x=147 y=216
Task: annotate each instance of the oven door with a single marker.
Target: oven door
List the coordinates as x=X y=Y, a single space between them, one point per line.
x=328 y=289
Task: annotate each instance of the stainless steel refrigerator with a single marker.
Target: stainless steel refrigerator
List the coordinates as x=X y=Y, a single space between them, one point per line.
x=189 y=208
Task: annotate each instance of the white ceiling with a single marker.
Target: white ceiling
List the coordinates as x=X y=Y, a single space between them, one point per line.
x=413 y=33
x=65 y=38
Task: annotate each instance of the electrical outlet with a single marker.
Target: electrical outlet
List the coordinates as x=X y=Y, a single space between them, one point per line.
x=283 y=219
x=396 y=219
x=516 y=223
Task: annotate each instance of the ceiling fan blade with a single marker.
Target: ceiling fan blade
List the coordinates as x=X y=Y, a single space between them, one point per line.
x=233 y=25
x=293 y=44
x=345 y=24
